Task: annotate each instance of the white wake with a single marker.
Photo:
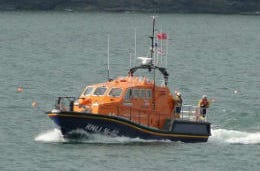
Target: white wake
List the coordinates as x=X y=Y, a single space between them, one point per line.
x=218 y=136
x=55 y=136
x=50 y=136
x=234 y=137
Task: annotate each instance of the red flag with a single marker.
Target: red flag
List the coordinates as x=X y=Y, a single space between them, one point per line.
x=162 y=36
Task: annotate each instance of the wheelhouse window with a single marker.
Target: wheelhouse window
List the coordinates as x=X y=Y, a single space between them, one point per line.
x=148 y=93
x=115 y=92
x=88 y=91
x=100 y=91
x=136 y=93
x=143 y=93
x=128 y=94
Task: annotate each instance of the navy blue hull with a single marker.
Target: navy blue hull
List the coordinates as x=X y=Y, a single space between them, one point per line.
x=116 y=126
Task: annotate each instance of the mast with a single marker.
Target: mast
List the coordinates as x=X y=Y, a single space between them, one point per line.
x=153 y=62
x=152 y=38
x=150 y=65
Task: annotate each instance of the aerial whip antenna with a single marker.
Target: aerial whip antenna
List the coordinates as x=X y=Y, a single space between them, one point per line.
x=135 y=48
x=108 y=68
x=166 y=53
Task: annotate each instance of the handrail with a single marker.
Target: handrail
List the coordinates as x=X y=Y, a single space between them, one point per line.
x=190 y=112
x=63 y=102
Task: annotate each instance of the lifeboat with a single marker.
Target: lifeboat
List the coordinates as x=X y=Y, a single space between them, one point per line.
x=130 y=106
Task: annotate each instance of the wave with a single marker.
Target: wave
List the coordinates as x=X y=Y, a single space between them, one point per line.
x=218 y=136
x=234 y=137
x=55 y=136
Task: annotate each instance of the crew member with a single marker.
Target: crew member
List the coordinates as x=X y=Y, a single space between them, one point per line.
x=203 y=104
x=178 y=103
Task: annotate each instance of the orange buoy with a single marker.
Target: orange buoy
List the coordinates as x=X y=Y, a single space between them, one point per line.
x=34 y=104
x=19 y=89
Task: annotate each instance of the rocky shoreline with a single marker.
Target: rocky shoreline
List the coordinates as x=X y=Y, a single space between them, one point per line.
x=167 y=6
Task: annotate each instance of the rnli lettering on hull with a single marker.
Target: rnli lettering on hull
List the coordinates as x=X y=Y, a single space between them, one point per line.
x=101 y=130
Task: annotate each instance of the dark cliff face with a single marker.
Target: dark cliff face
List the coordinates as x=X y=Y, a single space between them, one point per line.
x=187 y=6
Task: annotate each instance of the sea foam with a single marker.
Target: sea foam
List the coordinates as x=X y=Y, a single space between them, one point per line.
x=218 y=136
x=50 y=136
x=55 y=136
x=235 y=137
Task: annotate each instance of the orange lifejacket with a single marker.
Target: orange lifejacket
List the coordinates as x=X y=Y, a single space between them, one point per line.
x=204 y=103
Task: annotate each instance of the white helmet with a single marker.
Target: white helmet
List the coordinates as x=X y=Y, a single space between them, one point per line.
x=178 y=94
x=204 y=96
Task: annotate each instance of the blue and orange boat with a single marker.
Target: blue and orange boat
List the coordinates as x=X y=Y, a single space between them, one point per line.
x=130 y=106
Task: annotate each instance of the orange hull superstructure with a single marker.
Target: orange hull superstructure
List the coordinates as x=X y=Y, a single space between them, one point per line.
x=135 y=98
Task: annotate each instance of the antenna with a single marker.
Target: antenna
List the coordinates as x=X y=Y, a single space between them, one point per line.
x=166 y=53
x=130 y=59
x=161 y=48
x=135 y=47
x=108 y=68
x=156 y=50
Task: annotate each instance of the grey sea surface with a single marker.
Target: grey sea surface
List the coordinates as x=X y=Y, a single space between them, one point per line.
x=51 y=54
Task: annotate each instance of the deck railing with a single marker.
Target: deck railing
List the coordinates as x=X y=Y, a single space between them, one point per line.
x=190 y=112
x=65 y=103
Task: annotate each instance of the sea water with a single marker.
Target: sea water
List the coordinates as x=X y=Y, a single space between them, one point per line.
x=51 y=54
